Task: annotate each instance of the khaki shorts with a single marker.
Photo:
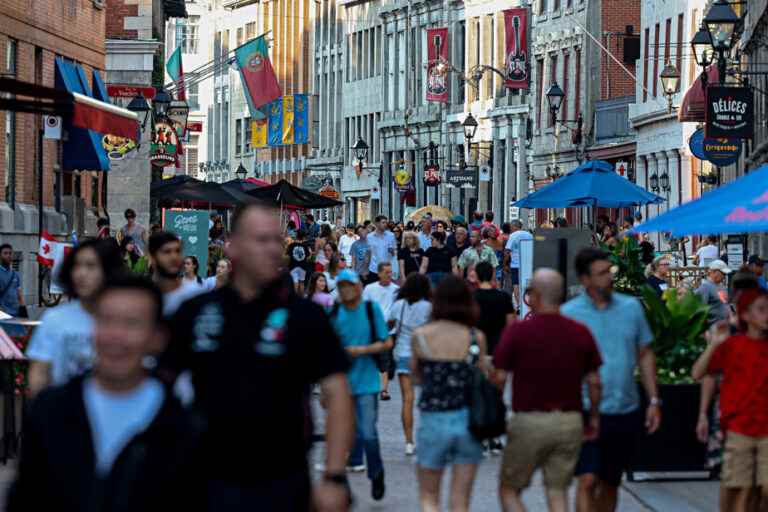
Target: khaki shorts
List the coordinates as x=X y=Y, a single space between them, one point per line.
x=547 y=440
x=745 y=461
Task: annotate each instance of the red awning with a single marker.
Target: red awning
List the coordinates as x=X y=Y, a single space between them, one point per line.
x=104 y=118
x=693 y=109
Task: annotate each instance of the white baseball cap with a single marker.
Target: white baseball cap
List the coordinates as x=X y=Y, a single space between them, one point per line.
x=721 y=266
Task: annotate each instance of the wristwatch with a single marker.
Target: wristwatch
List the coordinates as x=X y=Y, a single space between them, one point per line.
x=655 y=401
x=336 y=478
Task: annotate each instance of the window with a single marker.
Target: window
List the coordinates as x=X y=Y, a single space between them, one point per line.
x=552 y=76
x=193 y=93
x=680 y=47
x=540 y=100
x=248 y=134
x=655 y=61
x=577 y=86
x=461 y=87
x=646 y=63
x=239 y=36
x=250 y=31
x=566 y=90
x=238 y=136
x=9 y=182
x=667 y=37
x=187 y=34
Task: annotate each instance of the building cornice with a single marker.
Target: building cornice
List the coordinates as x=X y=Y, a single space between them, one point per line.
x=656 y=116
x=132 y=46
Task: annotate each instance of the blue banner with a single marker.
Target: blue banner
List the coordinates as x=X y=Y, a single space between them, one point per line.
x=275 y=130
x=300 y=119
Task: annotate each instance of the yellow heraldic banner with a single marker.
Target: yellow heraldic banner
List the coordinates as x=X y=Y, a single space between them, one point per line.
x=259 y=133
x=288 y=119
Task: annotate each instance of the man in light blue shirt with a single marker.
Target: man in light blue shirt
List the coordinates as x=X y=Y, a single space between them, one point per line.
x=425 y=235
x=353 y=321
x=383 y=247
x=618 y=324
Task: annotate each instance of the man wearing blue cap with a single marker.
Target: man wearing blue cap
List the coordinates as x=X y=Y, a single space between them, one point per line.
x=363 y=332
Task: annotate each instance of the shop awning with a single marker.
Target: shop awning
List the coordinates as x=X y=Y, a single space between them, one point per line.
x=693 y=108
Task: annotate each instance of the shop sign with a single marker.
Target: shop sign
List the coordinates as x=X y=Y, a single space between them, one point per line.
x=432 y=175
x=485 y=173
x=730 y=112
x=402 y=177
x=117 y=147
x=130 y=91
x=329 y=192
x=722 y=152
x=461 y=178
x=696 y=144
x=165 y=144
x=375 y=192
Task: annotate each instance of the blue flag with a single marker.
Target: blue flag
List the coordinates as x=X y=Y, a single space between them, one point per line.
x=300 y=119
x=275 y=130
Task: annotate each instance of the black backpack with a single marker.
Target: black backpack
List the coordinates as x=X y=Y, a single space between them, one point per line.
x=382 y=359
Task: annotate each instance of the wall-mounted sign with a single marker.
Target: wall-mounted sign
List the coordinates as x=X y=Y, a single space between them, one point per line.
x=696 y=144
x=461 y=178
x=402 y=176
x=129 y=91
x=622 y=169
x=722 y=152
x=375 y=192
x=195 y=126
x=165 y=144
x=178 y=116
x=52 y=127
x=730 y=112
x=432 y=175
x=329 y=192
x=117 y=147
x=485 y=173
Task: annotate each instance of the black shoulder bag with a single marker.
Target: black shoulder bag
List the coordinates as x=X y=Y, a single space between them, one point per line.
x=487 y=412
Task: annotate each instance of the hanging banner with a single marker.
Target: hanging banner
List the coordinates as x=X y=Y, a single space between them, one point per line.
x=402 y=176
x=730 y=112
x=259 y=133
x=516 y=54
x=165 y=144
x=300 y=119
x=437 y=76
x=275 y=130
x=288 y=119
x=722 y=152
x=432 y=175
x=117 y=147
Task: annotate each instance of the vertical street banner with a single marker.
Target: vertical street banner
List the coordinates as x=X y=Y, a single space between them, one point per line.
x=288 y=119
x=300 y=119
x=516 y=60
x=259 y=133
x=191 y=226
x=259 y=81
x=437 y=76
x=275 y=129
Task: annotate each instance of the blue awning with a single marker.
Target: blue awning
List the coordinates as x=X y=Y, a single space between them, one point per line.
x=82 y=149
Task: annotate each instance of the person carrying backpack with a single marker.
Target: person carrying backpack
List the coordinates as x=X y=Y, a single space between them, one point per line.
x=363 y=332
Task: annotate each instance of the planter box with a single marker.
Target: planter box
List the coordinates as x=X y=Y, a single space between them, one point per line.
x=674 y=448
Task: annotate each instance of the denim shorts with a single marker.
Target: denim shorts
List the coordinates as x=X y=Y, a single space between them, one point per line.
x=402 y=365
x=444 y=439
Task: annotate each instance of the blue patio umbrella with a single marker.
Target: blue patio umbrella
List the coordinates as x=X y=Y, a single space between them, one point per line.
x=739 y=207
x=593 y=183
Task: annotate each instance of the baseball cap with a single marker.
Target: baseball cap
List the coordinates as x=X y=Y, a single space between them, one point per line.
x=721 y=266
x=755 y=260
x=349 y=276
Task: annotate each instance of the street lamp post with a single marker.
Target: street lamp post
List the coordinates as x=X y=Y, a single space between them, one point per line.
x=721 y=22
x=555 y=97
x=161 y=102
x=470 y=129
x=670 y=78
x=241 y=172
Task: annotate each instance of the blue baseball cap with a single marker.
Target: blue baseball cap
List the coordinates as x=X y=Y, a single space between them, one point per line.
x=349 y=276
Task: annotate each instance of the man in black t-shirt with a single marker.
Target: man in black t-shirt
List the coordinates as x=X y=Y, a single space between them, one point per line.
x=299 y=264
x=253 y=353
x=496 y=309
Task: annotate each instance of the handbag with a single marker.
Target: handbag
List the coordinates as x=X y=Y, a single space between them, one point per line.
x=487 y=412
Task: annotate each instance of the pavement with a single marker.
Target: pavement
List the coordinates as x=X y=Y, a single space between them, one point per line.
x=402 y=486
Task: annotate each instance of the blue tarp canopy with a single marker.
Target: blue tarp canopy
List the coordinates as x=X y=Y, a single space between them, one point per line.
x=82 y=150
x=593 y=183
x=738 y=207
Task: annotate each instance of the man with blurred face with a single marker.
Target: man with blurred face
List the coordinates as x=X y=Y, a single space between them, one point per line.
x=383 y=293
x=425 y=236
x=165 y=252
x=115 y=438
x=253 y=351
x=458 y=242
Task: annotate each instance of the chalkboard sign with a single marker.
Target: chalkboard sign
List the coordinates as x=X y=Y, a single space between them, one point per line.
x=192 y=227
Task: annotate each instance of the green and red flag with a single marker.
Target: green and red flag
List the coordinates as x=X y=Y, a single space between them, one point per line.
x=258 y=77
x=176 y=72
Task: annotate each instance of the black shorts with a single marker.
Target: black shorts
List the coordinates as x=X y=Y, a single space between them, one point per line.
x=610 y=455
x=514 y=276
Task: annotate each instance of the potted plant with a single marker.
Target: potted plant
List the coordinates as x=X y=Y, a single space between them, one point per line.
x=630 y=273
x=678 y=324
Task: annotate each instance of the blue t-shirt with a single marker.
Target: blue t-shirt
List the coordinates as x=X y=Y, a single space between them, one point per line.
x=353 y=329
x=10 y=281
x=620 y=330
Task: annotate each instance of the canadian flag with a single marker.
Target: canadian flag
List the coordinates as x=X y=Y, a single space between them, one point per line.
x=50 y=250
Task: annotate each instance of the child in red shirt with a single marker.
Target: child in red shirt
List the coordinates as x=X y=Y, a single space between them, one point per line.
x=743 y=362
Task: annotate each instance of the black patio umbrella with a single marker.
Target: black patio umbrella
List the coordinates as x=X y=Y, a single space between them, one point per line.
x=198 y=192
x=283 y=193
x=239 y=185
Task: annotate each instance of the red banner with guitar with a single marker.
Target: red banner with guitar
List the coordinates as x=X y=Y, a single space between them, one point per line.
x=437 y=75
x=516 y=62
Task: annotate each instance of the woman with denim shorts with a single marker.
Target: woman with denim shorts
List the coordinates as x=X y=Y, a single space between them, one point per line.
x=439 y=363
x=411 y=310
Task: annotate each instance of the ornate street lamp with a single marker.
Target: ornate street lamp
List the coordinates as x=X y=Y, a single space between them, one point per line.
x=670 y=78
x=241 y=172
x=654 y=182
x=555 y=97
x=721 y=22
x=140 y=107
x=470 y=127
x=664 y=181
x=161 y=102
x=361 y=150
x=702 y=47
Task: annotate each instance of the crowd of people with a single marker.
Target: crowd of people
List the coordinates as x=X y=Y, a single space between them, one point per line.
x=155 y=387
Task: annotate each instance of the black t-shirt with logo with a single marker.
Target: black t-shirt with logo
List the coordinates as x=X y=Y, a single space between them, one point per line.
x=252 y=364
x=495 y=305
x=299 y=253
x=411 y=259
x=439 y=259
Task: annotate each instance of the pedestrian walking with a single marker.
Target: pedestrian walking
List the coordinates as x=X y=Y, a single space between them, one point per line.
x=317 y=291
x=442 y=351
x=383 y=247
x=134 y=230
x=134 y=261
x=617 y=323
x=62 y=345
x=549 y=358
x=299 y=264
x=477 y=252
x=345 y=243
x=116 y=439
x=221 y=278
x=253 y=351
x=332 y=272
x=363 y=332
x=361 y=256
x=713 y=292
x=312 y=228
x=438 y=261
x=383 y=293
x=11 y=295
x=409 y=257
x=425 y=235
x=165 y=251
x=496 y=309
x=742 y=360
x=192 y=271
x=512 y=257
x=412 y=310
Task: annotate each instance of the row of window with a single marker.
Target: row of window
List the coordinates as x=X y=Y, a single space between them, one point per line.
x=562 y=71
x=658 y=54
x=243 y=126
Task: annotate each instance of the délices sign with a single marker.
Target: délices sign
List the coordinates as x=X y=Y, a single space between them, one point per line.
x=730 y=112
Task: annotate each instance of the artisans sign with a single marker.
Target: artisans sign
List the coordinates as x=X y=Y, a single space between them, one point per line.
x=730 y=112
x=461 y=177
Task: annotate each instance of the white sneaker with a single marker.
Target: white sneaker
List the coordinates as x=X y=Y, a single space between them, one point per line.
x=356 y=469
x=410 y=448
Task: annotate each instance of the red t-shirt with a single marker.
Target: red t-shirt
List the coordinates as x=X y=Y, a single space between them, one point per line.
x=743 y=361
x=549 y=356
